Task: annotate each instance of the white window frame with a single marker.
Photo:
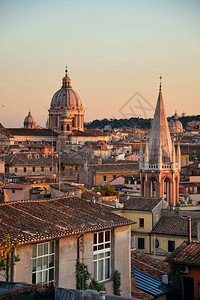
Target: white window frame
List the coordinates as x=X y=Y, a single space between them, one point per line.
x=141 y=237
x=102 y=255
x=40 y=269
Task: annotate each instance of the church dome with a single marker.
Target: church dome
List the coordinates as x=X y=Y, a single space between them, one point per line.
x=175 y=125
x=29 y=121
x=66 y=97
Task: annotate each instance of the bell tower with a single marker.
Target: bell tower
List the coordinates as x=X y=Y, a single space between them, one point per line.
x=160 y=164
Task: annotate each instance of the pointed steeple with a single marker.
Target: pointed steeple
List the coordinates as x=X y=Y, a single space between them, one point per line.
x=160 y=158
x=160 y=135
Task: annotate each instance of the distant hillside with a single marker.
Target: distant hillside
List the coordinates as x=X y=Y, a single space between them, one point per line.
x=134 y=122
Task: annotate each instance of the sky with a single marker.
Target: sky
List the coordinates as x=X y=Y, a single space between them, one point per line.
x=115 y=52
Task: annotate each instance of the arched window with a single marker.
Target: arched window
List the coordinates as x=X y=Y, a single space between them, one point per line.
x=166 y=189
x=68 y=128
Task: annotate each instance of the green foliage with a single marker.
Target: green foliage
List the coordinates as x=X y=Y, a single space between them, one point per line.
x=95 y=285
x=134 y=122
x=108 y=190
x=193 y=157
x=82 y=276
x=48 y=196
x=121 y=123
x=7 y=249
x=117 y=283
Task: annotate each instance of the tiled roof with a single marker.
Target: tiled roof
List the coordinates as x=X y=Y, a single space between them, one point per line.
x=89 y=132
x=39 y=220
x=32 y=132
x=138 y=203
x=15 y=186
x=148 y=265
x=187 y=254
x=175 y=226
x=22 y=158
x=115 y=167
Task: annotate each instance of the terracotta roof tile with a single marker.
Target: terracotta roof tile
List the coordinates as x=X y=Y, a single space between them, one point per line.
x=187 y=254
x=175 y=226
x=138 y=203
x=32 y=132
x=29 y=159
x=115 y=167
x=148 y=265
x=89 y=132
x=31 y=221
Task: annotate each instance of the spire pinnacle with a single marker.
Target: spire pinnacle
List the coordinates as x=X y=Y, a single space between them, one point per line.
x=160 y=89
x=66 y=71
x=66 y=82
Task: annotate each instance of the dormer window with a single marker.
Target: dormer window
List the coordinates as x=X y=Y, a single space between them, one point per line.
x=37 y=156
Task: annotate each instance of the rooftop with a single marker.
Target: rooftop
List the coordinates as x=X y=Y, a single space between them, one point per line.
x=40 y=220
x=89 y=132
x=139 y=203
x=175 y=226
x=32 y=132
x=148 y=265
x=187 y=254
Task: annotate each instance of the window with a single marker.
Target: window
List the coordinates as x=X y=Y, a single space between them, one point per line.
x=171 y=246
x=102 y=255
x=141 y=222
x=15 y=169
x=156 y=243
x=104 y=178
x=63 y=168
x=42 y=169
x=50 y=169
x=114 y=176
x=33 y=169
x=24 y=169
x=43 y=262
x=141 y=243
x=13 y=191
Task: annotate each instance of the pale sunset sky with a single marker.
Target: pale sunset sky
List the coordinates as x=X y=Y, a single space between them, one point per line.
x=112 y=48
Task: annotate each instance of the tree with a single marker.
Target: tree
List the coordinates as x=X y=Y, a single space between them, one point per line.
x=117 y=283
x=108 y=190
x=8 y=257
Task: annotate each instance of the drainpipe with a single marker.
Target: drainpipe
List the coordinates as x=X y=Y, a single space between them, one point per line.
x=78 y=247
x=189 y=230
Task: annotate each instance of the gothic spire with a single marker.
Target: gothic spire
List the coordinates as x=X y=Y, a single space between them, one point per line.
x=160 y=136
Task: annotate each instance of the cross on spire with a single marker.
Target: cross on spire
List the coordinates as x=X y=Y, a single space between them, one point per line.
x=160 y=83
